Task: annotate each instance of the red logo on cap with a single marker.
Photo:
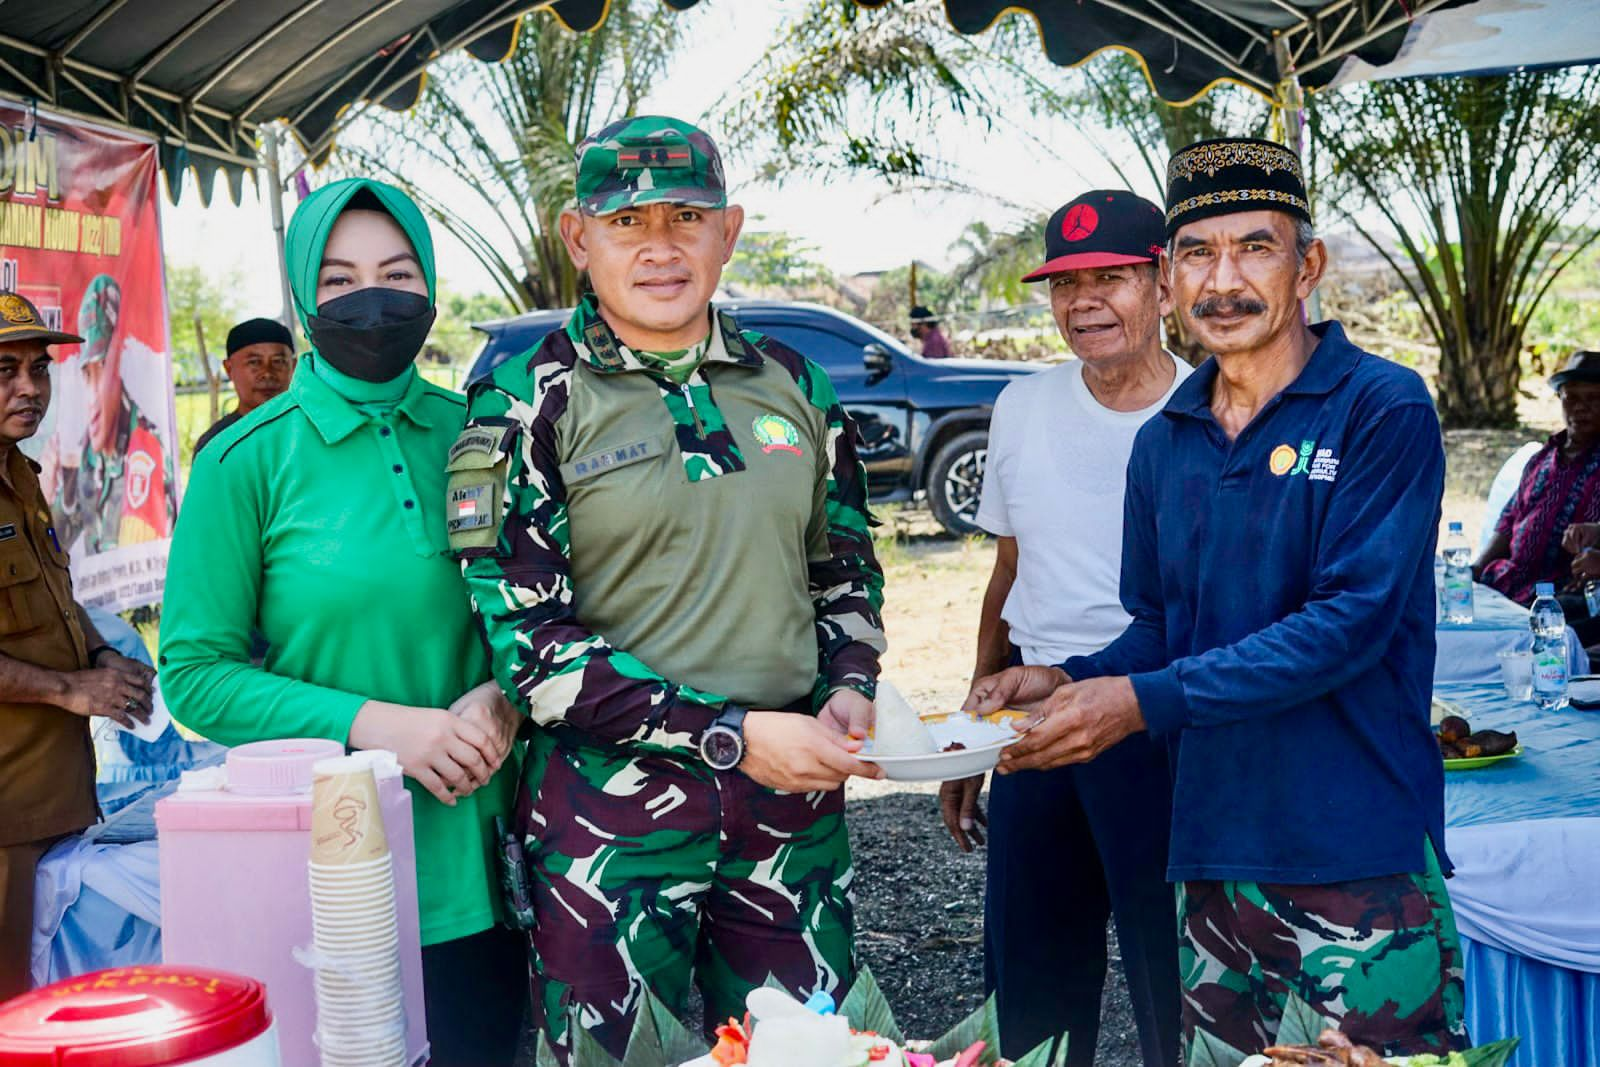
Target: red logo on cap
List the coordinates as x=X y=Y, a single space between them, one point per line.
x=1079 y=222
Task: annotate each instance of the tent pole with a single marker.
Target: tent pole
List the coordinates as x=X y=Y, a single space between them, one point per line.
x=1290 y=109
x=269 y=148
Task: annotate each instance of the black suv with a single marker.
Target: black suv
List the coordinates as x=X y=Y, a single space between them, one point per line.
x=924 y=422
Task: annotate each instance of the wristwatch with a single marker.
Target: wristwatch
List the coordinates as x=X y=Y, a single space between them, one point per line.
x=722 y=744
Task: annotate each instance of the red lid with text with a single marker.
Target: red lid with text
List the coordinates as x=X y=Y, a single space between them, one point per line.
x=132 y=1017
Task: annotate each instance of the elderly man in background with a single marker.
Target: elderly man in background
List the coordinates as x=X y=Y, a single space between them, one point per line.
x=1282 y=514
x=1071 y=846
x=259 y=363
x=55 y=671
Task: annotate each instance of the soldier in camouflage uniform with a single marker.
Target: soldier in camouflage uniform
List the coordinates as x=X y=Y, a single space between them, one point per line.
x=664 y=525
x=120 y=490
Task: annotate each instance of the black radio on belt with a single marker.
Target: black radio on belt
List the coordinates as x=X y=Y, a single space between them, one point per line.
x=515 y=888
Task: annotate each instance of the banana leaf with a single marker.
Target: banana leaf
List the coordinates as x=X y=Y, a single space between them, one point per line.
x=1300 y=1024
x=1039 y=1055
x=868 y=1009
x=981 y=1025
x=1208 y=1050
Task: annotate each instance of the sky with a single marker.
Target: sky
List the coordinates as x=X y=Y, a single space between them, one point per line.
x=854 y=224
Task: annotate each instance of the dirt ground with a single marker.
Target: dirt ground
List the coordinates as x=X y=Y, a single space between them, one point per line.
x=919 y=899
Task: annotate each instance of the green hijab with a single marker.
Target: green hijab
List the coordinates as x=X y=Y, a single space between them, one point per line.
x=304 y=242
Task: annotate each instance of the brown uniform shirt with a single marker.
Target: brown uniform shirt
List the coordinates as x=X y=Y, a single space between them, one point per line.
x=46 y=756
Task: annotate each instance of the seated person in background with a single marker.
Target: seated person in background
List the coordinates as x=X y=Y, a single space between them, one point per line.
x=1560 y=487
x=259 y=363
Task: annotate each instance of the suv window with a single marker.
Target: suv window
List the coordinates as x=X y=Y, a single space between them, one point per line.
x=836 y=354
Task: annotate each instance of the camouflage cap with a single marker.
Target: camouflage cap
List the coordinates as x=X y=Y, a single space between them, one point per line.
x=649 y=159
x=97 y=318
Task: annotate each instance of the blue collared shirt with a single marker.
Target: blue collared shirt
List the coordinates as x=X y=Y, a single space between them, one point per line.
x=1281 y=589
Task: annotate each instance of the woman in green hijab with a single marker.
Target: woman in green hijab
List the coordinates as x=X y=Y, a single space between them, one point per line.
x=317 y=520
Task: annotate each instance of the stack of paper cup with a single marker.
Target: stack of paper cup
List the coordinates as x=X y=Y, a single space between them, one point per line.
x=360 y=1003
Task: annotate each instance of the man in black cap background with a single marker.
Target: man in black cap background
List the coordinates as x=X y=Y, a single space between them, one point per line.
x=1071 y=846
x=55 y=670
x=259 y=363
x=1282 y=513
x=925 y=328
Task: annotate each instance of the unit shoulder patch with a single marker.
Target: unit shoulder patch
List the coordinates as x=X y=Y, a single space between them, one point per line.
x=477 y=473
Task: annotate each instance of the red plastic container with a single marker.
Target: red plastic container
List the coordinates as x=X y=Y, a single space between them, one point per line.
x=141 y=1017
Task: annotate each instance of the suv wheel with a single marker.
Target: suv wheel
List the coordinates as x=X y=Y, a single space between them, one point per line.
x=955 y=481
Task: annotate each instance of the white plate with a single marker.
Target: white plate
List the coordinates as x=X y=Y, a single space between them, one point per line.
x=984 y=739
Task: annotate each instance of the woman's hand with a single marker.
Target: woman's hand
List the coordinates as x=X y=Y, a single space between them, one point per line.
x=449 y=756
x=487 y=708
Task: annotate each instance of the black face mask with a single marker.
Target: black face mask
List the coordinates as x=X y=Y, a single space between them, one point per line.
x=371 y=334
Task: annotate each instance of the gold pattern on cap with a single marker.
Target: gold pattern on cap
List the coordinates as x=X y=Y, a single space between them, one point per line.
x=1237 y=196
x=15 y=309
x=1210 y=158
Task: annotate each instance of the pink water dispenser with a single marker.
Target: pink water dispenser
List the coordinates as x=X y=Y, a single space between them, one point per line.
x=235 y=895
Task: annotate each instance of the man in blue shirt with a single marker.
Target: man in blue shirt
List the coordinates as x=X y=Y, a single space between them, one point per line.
x=1280 y=522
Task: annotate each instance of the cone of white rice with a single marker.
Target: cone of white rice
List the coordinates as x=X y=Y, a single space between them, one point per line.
x=899 y=730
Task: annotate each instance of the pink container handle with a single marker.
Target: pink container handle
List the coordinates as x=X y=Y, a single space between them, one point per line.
x=276 y=768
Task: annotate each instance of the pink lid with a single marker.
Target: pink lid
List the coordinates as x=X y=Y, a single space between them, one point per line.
x=273 y=768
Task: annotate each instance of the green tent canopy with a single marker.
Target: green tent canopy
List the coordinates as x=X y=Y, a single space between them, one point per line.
x=203 y=76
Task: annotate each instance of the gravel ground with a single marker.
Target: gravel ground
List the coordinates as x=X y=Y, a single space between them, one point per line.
x=919 y=923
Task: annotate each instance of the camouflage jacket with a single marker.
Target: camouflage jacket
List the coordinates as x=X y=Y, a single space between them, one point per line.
x=640 y=552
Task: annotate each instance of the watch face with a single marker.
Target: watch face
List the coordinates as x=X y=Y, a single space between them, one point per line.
x=721 y=748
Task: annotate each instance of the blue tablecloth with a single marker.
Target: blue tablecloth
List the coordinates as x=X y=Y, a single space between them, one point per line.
x=1469 y=652
x=1525 y=837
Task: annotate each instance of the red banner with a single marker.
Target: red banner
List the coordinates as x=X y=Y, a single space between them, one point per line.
x=80 y=236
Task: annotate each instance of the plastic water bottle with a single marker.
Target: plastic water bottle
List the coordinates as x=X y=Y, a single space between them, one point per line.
x=1549 y=626
x=1457 y=576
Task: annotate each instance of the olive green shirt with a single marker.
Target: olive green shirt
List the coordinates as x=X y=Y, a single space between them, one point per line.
x=641 y=551
x=322 y=527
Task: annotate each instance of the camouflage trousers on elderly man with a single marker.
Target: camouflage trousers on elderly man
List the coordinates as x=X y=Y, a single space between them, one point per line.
x=1378 y=957
x=654 y=871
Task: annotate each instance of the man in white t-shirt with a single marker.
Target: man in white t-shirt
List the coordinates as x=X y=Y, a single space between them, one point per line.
x=1070 y=847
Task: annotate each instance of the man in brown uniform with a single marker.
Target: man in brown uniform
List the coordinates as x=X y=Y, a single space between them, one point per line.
x=54 y=670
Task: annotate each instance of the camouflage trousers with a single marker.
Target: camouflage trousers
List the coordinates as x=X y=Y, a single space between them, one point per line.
x=652 y=871
x=1378 y=956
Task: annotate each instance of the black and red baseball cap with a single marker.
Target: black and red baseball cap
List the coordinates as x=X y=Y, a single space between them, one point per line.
x=1101 y=228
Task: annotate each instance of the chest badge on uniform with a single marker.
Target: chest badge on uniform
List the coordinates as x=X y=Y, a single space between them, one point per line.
x=1282 y=459
x=140 y=469
x=776 y=434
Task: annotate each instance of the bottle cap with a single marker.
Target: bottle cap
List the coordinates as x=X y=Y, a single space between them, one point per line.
x=1544 y=589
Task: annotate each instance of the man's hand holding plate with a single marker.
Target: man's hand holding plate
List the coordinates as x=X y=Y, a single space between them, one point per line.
x=1074 y=725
